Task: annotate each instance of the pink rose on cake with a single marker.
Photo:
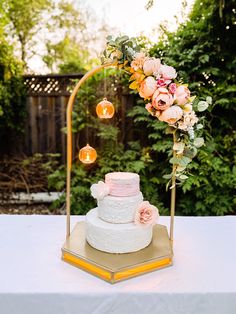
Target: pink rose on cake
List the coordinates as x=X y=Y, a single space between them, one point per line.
x=148 y=87
x=162 y=99
x=146 y=214
x=99 y=190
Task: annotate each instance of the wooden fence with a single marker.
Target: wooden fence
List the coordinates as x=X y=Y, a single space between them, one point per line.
x=47 y=97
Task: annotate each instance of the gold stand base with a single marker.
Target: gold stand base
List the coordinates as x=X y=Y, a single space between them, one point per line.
x=117 y=267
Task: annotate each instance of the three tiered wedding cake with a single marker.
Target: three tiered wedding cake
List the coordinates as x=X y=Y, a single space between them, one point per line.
x=122 y=222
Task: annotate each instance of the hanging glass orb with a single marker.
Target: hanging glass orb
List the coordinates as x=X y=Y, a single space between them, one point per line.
x=87 y=154
x=105 y=109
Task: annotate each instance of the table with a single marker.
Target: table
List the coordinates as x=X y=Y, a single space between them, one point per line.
x=34 y=280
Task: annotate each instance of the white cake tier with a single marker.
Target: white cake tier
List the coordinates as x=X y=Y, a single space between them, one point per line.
x=122 y=183
x=119 y=209
x=116 y=238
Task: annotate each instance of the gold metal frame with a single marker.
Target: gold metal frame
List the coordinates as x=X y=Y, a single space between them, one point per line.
x=73 y=256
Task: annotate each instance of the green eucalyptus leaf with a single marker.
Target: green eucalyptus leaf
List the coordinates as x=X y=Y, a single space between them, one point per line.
x=202 y=106
x=167 y=176
x=183 y=177
x=199 y=126
x=209 y=100
x=179 y=147
x=198 y=142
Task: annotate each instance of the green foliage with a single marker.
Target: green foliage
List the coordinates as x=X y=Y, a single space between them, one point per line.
x=12 y=100
x=23 y=19
x=202 y=53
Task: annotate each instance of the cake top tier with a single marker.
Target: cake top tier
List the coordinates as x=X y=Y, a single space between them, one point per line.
x=122 y=183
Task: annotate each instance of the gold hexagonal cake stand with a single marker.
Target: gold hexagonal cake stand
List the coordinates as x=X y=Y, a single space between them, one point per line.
x=107 y=266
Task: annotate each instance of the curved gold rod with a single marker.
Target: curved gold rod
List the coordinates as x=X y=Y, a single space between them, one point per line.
x=69 y=151
x=69 y=137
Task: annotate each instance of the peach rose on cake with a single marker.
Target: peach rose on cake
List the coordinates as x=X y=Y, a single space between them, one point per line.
x=138 y=61
x=182 y=95
x=171 y=114
x=147 y=87
x=151 y=66
x=99 y=190
x=146 y=214
x=162 y=99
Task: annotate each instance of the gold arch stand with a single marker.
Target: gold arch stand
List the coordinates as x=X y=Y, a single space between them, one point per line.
x=112 y=267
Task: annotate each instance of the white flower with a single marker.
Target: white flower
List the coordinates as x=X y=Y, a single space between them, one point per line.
x=99 y=190
x=167 y=72
x=151 y=66
x=189 y=119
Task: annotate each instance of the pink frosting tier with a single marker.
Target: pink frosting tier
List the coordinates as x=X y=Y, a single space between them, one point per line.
x=122 y=183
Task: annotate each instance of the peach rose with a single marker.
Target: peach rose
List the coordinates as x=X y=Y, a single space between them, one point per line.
x=146 y=214
x=99 y=190
x=182 y=95
x=151 y=66
x=171 y=114
x=162 y=99
x=147 y=87
x=167 y=72
x=138 y=61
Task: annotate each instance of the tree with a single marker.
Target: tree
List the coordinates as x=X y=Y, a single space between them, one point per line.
x=24 y=21
x=54 y=31
x=12 y=101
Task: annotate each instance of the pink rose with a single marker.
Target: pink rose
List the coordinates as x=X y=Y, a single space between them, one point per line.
x=99 y=190
x=182 y=95
x=151 y=66
x=162 y=99
x=138 y=61
x=161 y=83
x=146 y=214
x=172 y=88
x=171 y=115
x=147 y=87
x=167 y=72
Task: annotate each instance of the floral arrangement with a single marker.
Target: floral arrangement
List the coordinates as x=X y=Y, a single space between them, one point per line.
x=166 y=98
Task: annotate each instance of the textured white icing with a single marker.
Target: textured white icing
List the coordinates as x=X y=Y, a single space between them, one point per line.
x=116 y=238
x=119 y=209
x=122 y=183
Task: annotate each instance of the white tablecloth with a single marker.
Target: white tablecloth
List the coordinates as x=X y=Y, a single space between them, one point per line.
x=34 y=280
